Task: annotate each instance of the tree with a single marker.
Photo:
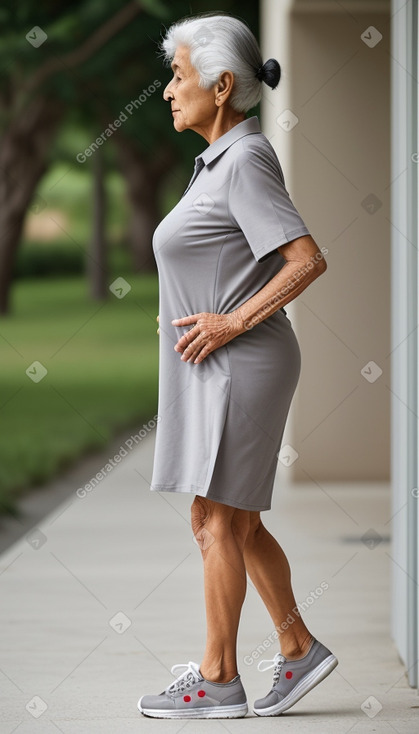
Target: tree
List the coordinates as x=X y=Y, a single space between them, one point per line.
x=32 y=106
x=23 y=153
x=97 y=259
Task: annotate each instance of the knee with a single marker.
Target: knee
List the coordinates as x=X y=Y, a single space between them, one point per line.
x=201 y=521
x=255 y=526
x=212 y=521
x=240 y=526
x=199 y=514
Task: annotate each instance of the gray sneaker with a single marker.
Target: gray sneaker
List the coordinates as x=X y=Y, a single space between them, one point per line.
x=294 y=678
x=191 y=696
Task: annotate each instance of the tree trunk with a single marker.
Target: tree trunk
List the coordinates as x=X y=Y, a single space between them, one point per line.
x=24 y=146
x=143 y=178
x=23 y=155
x=97 y=269
x=143 y=221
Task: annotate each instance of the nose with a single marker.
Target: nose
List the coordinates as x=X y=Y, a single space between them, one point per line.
x=167 y=94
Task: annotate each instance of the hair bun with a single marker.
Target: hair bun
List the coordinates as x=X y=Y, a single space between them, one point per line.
x=270 y=73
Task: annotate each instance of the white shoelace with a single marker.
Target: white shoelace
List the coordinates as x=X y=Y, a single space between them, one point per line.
x=276 y=663
x=185 y=680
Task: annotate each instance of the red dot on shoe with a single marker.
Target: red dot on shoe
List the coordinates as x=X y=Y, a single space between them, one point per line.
x=186 y=699
x=288 y=674
x=201 y=694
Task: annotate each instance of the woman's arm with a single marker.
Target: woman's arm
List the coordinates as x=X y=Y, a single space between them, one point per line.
x=305 y=262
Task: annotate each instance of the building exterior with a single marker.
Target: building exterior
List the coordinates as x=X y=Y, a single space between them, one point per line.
x=344 y=122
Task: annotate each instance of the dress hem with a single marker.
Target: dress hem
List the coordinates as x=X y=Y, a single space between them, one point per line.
x=214 y=498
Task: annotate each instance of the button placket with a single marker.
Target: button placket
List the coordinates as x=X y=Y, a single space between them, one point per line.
x=199 y=164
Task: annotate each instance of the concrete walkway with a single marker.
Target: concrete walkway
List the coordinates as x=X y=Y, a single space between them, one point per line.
x=105 y=594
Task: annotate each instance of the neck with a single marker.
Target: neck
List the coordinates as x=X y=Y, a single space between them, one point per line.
x=224 y=120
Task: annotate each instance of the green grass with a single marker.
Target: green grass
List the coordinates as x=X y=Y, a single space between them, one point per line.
x=102 y=362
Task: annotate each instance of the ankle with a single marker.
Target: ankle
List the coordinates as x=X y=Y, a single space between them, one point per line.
x=218 y=675
x=295 y=649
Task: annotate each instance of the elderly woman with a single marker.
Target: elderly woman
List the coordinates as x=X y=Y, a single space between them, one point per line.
x=230 y=255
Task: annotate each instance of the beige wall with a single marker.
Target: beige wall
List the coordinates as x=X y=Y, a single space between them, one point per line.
x=336 y=155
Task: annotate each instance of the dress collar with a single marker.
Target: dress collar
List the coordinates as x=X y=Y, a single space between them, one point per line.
x=245 y=127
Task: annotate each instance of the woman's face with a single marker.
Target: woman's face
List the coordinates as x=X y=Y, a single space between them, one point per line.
x=192 y=106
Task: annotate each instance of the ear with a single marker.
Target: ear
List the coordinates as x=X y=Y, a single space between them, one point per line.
x=224 y=87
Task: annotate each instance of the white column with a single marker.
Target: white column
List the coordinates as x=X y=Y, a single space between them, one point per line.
x=405 y=279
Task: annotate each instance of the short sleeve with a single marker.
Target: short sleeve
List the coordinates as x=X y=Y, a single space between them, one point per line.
x=259 y=203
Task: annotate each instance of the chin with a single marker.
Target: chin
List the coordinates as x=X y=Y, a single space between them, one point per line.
x=179 y=125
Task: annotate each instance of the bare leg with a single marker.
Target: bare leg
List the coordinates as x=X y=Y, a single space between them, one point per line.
x=269 y=570
x=234 y=541
x=220 y=531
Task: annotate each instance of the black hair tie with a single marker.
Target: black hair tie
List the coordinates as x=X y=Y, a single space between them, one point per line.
x=269 y=72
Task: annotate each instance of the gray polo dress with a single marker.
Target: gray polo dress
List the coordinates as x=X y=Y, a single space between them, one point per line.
x=221 y=422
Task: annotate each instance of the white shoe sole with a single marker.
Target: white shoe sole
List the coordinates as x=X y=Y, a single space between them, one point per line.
x=213 y=712
x=303 y=686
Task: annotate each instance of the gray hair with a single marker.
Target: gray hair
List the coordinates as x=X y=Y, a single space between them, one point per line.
x=219 y=43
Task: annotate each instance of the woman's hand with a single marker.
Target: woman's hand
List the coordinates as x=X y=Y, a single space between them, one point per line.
x=209 y=331
x=158 y=319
